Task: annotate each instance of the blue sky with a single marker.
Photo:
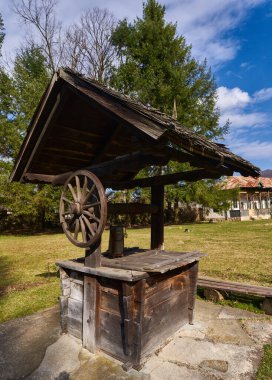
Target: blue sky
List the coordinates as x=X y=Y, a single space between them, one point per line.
x=234 y=35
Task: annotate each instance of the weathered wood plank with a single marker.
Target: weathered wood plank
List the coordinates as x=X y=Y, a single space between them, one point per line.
x=76 y=291
x=75 y=308
x=110 y=302
x=112 y=335
x=234 y=287
x=74 y=327
x=163 y=294
x=116 y=273
x=139 y=299
x=168 y=179
x=106 y=144
x=152 y=260
x=129 y=162
x=38 y=178
x=192 y=286
x=167 y=320
x=63 y=302
x=128 y=303
x=89 y=313
x=93 y=255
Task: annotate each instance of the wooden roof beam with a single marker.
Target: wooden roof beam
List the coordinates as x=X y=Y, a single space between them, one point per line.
x=38 y=178
x=106 y=145
x=168 y=179
x=130 y=162
x=196 y=161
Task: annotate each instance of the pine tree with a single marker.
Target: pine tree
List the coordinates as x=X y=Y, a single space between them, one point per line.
x=156 y=65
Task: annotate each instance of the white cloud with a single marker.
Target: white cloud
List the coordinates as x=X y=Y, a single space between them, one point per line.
x=246 y=120
x=237 y=106
x=205 y=25
x=263 y=95
x=254 y=150
x=232 y=98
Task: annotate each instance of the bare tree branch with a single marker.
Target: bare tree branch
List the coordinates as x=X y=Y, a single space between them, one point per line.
x=40 y=14
x=73 y=51
x=89 y=44
x=86 y=47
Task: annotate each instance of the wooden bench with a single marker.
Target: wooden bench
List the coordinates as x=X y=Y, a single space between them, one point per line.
x=214 y=290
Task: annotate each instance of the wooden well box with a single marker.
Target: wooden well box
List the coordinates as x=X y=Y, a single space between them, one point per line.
x=128 y=313
x=88 y=137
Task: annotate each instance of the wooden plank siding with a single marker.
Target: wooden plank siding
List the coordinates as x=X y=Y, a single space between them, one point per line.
x=129 y=319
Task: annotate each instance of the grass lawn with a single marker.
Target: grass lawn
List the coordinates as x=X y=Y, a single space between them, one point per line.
x=265 y=370
x=237 y=251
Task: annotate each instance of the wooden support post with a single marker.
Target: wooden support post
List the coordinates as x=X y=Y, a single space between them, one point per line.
x=157 y=236
x=128 y=317
x=90 y=313
x=139 y=294
x=193 y=272
x=93 y=255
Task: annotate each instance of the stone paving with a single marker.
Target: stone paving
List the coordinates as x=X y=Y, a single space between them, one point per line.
x=223 y=344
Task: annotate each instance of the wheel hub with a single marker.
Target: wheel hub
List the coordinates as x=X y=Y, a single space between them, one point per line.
x=77 y=208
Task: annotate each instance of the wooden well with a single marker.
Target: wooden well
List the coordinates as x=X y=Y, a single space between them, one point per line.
x=83 y=132
x=129 y=313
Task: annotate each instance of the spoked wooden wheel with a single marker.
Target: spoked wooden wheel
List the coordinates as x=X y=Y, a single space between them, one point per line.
x=83 y=208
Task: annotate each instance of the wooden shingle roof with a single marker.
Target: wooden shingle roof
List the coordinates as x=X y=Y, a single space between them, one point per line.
x=247 y=183
x=80 y=123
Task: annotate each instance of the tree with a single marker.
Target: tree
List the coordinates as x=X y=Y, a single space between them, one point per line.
x=2 y=33
x=19 y=96
x=88 y=46
x=40 y=14
x=29 y=205
x=85 y=46
x=156 y=67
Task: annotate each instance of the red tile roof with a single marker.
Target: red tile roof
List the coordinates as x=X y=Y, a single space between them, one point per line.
x=239 y=181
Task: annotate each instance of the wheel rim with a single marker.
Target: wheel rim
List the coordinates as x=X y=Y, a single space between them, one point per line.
x=83 y=208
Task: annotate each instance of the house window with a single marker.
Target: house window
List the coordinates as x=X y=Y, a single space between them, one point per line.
x=235 y=204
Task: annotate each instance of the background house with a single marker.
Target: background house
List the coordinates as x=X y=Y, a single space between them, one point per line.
x=254 y=200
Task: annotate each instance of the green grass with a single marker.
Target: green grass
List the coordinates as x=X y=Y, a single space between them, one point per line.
x=236 y=251
x=265 y=370
x=239 y=301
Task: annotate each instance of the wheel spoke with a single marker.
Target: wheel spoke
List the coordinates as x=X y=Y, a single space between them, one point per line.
x=89 y=205
x=67 y=200
x=88 y=224
x=95 y=218
x=78 y=188
x=84 y=190
x=83 y=229
x=89 y=194
x=73 y=192
x=87 y=213
x=83 y=208
x=91 y=216
x=76 y=230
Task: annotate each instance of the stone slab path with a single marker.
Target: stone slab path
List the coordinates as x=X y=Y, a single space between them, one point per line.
x=223 y=344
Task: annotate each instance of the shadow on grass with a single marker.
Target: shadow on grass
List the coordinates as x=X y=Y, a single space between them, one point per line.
x=240 y=301
x=6 y=279
x=48 y=275
x=28 y=232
